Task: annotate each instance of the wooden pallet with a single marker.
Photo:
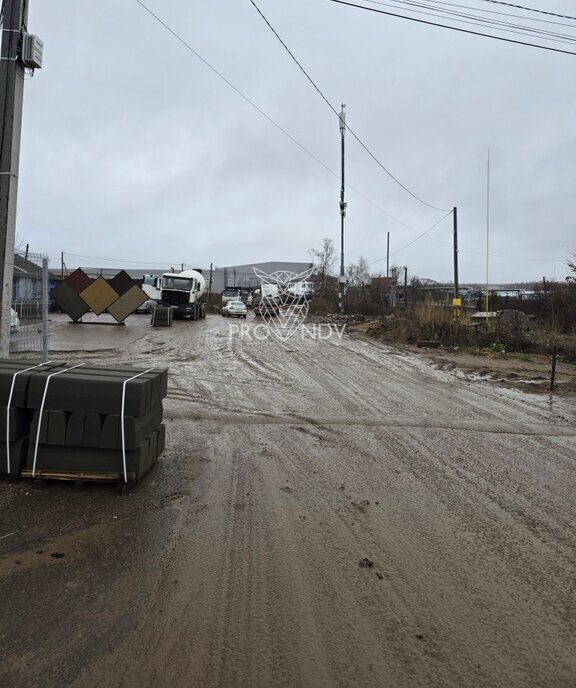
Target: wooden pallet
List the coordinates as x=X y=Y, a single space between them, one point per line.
x=78 y=476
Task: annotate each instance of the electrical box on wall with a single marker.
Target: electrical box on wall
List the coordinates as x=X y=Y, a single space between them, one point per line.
x=32 y=50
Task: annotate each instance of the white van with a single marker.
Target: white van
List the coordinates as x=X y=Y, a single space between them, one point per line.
x=231 y=294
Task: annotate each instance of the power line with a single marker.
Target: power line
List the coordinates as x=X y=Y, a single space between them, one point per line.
x=258 y=109
x=455 y=28
x=116 y=260
x=495 y=255
x=316 y=159
x=469 y=251
x=477 y=20
x=530 y=9
x=325 y=99
x=414 y=240
x=502 y=14
x=232 y=86
x=146 y=263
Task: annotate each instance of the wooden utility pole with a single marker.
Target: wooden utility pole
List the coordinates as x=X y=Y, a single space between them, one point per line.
x=387 y=254
x=405 y=287
x=342 y=279
x=12 y=90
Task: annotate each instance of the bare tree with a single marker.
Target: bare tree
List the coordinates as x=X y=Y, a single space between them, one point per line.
x=358 y=274
x=323 y=261
x=572 y=266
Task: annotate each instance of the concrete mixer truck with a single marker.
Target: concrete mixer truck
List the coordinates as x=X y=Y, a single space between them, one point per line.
x=184 y=292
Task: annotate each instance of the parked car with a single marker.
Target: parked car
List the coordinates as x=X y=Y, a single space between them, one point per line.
x=147 y=306
x=236 y=308
x=266 y=309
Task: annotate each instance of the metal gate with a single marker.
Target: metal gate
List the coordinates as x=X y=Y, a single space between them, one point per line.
x=29 y=320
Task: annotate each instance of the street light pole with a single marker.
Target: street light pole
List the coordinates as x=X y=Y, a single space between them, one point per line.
x=342 y=118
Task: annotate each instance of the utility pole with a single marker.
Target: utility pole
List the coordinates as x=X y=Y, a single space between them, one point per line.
x=387 y=254
x=342 y=118
x=455 y=220
x=12 y=90
x=405 y=287
x=487 y=237
x=210 y=283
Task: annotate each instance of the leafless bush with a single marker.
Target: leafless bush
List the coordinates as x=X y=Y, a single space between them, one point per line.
x=321 y=306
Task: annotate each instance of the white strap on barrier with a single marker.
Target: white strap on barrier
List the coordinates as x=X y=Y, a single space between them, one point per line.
x=59 y=372
x=122 y=426
x=25 y=370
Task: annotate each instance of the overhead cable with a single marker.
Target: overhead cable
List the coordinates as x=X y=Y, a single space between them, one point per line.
x=256 y=107
x=500 y=12
x=478 y=19
x=455 y=28
x=530 y=9
x=414 y=240
x=325 y=99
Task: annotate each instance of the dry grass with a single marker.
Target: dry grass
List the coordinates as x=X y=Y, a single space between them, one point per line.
x=438 y=324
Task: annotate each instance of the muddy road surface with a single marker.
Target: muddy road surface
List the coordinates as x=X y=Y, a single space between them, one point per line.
x=327 y=513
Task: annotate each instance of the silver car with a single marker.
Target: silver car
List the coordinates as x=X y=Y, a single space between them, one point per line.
x=236 y=308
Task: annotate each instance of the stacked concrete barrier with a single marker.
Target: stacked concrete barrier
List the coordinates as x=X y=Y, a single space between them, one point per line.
x=83 y=420
x=15 y=416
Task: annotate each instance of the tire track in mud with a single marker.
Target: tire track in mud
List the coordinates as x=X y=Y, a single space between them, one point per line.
x=359 y=636
x=406 y=374
x=358 y=519
x=460 y=496
x=237 y=417
x=471 y=588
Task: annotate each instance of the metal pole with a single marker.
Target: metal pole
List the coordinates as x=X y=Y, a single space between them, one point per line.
x=455 y=220
x=387 y=254
x=44 y=309
x=405 y=287
x=487 y=233
x=12 y=90
x=62 y=265
x=210 y=283
x=553 y=371
x=342 y=118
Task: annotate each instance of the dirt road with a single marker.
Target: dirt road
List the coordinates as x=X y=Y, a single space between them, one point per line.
x=326 y=514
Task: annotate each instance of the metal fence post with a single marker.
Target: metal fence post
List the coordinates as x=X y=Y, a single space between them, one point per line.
x=45 y=323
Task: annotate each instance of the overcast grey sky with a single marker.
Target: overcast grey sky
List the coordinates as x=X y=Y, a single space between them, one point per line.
x=134 y=150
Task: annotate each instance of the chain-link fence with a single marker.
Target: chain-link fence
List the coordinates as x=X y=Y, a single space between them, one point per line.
x=29 y=319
